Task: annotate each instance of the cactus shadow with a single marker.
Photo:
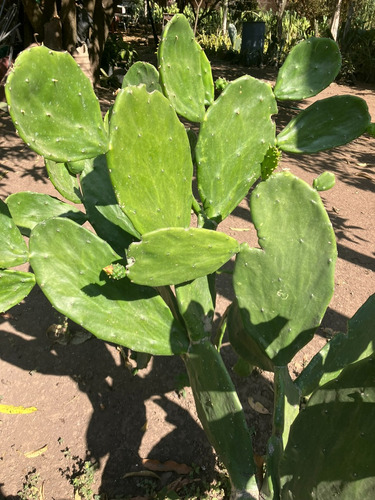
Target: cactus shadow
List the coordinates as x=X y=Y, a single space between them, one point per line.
x=121 y=403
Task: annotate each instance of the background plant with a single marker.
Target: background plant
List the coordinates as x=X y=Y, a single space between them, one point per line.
x=146 y=279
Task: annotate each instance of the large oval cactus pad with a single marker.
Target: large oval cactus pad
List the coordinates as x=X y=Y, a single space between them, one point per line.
x=284 y=289
x=174 y=255
x=149 y=161
x=234 y=137
x=68 y=261
x=13 y=249
x=330 y=452
x=180 y=67
x=53 y=106
x=14 y=287
x=308 y=69
x=325 y=124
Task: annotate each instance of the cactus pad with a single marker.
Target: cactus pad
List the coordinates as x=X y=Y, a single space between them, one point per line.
x=173 y=255
x=68 y=262
x=14 y=287
x=330 y=452
x=324 y=181
x=64 y=182
x=149 y=161
x=325 y=124
x=106 y=217
x=308 y=69
x=245 y=345
x=196 y=305
x=13 y=249
x=53 y=106
x=184 y=72
x=221 y=415
x=234 y=137
x=142 y=73
x=342 y=350
x=284 y=289
x=28 y=209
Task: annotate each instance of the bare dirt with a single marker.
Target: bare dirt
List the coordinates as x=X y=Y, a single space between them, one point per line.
x=90 y=406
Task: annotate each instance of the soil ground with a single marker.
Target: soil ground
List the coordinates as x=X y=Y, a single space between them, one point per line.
x=90 y=406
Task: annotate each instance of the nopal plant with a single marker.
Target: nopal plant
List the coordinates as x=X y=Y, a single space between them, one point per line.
x=144 y=277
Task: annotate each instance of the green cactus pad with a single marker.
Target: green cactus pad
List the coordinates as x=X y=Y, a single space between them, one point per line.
x=284 y=288
x=196 y=305
x=53 y=106
x=325 y=124
x=64 y=182
x=308 y=69
x=142 y=73
x=221 y=414
x=246 y=346
x=14 y=287
x=103 y=212
x=184 y=74
x=234 y=137
x=13 y=249
x=28 y=209
x=68 y=262
x=174 y=255
x=324 y=181
x=149 y=161
x=330 y=452
x=207 y=77
x=342 y=350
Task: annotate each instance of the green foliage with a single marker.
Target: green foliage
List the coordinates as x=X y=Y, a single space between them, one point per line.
x=31 y=489
x=136 y=187
x=83 y=481
x=117 y=52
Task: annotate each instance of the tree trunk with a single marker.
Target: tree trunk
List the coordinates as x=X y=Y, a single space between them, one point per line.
x=281 y=4
x=101 y=12
x=58 y=30
x=335 y=21
x=225 y=16
x=69 y=25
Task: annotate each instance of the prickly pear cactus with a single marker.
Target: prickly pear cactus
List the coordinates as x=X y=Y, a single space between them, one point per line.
x=173 y=255
x=53 y=106
x=15 y=286
x=160 y=194
x=68 y=262
x=219 y=410
x=142 y=73
x=343 y=350
x=63 y=181
x=228 y=157
x=103 y=211
x=284 y=288
x=28 y=209
x=13 y=249
x=308 y=69
x=334 y=458
x=185 y=73
x=325 y=124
